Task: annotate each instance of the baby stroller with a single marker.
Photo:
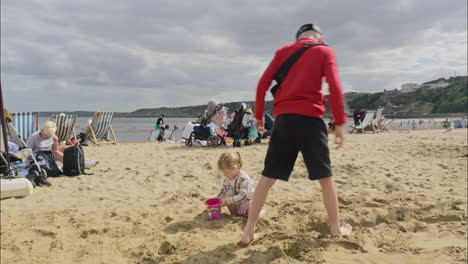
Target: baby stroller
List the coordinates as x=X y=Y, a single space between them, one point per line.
x=23 y=160
x=203 y=128
x=238 y=129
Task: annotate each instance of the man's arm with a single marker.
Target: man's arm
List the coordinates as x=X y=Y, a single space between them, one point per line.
x=336 y=98
x=264 y=85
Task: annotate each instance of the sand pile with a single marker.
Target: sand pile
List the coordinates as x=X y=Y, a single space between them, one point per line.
x=405 y=195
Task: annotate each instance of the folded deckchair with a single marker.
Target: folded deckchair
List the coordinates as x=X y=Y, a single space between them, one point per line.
x=100 y=127
x=388 y=125
x=154 y=133
x=26 y=123
x=366 y=123
x=65 y=126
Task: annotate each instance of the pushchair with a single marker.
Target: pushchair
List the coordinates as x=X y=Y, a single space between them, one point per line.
x=238 y=129
x=12 y=164
x=203 y=128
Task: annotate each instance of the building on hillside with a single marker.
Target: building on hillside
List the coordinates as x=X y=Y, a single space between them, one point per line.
x=409 y=87
x=440 y=84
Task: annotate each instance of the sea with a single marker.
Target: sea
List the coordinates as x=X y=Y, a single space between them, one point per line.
x=132 y=129
x=139 y=129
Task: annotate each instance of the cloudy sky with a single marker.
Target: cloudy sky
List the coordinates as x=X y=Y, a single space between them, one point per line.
x=118 y=55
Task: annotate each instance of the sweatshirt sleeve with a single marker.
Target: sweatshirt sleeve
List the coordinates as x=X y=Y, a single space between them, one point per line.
x=336 y=98
x=221 y=193
x=30 y=143
x=245 y=187
x=264 y=85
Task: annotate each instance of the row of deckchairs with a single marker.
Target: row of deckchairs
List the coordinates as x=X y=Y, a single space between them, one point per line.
x=369 y=123
x=97 y=132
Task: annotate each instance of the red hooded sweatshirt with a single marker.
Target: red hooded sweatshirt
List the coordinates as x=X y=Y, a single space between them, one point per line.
x=300 y=93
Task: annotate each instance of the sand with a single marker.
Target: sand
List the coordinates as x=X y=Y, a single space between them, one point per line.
x=405 y=195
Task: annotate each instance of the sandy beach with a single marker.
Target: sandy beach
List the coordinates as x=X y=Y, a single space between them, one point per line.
x=405 y=195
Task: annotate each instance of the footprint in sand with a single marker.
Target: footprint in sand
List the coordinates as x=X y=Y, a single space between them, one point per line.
x=46 y=233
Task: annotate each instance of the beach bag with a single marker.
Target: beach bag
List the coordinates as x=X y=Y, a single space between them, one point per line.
x=45 y=160
x=73 y=161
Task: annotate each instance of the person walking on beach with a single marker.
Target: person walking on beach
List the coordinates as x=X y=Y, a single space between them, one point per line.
x=160 y=126
x=160 y=122
x=299 y=106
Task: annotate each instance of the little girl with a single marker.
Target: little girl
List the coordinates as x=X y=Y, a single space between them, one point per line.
x=237 y=191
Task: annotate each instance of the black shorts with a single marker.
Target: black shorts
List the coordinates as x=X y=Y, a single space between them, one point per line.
x=292 y=133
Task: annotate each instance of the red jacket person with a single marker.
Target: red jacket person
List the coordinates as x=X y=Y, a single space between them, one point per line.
x=298 y=107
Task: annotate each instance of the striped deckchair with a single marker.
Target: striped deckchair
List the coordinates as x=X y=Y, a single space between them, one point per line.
x=378 y=116
x=26 y=123
x=366 y=123
x=65 y=126
x=99 y=128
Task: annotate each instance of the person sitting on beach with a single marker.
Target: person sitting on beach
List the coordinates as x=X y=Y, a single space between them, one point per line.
x=268 y=126
x=237 y=189
x=45 y=139
x=447 y=125
x=331 y=124
x=253 y=133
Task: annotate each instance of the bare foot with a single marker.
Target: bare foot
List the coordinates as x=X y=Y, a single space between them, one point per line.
x=262 y=214
x=248 y=236
x=344 y=230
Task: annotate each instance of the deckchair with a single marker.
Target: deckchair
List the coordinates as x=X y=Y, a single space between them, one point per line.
x=387 y=125
x=154 y=133
x=378 y=116
x=99 y=128
x=65 y=126
x=26 y=123
x=366 y=123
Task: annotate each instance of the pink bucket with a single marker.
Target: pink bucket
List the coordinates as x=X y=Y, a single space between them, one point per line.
x=213 y=208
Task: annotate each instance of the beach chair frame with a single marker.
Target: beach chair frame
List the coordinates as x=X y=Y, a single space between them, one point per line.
x=65 y=126
x=154 y=133
x=103 y=121
x=23 y=129
x=389 y=124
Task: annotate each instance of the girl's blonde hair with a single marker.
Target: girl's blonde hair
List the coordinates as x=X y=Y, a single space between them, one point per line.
x=228 y=160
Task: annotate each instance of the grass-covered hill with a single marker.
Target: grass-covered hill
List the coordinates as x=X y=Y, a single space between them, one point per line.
x=450 y=99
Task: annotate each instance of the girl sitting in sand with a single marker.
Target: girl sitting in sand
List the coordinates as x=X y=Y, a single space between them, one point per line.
x=237 y=190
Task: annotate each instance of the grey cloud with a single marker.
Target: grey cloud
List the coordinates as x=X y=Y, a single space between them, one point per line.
x=159 y=53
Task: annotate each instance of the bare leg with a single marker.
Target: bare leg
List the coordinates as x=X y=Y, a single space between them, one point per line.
x=330 y=200
x=262 y=214
x=261 y=192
